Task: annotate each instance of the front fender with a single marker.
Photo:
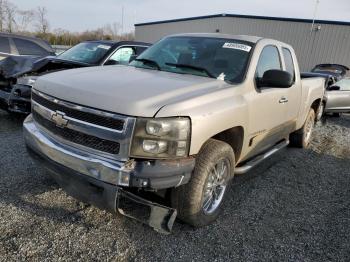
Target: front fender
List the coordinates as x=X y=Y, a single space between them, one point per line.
x=210 y=114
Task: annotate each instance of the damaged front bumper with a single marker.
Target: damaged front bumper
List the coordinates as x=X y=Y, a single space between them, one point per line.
x=4 y=99
x=103 y=182
x=17 y=100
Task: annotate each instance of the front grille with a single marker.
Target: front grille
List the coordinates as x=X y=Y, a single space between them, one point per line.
x=104 y=121
x=76 y=137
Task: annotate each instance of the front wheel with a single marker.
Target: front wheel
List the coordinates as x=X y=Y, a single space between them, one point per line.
x=198 y=203
x=302 y=137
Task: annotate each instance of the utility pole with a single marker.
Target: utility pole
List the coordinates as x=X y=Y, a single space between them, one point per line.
x=312 y=36
x=314 y=15
x=134 y=18
x=122 y=20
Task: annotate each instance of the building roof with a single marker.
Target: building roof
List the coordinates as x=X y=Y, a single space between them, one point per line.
x=250 y=17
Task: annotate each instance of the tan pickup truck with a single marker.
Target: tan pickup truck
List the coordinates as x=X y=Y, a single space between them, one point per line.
x=180 y=120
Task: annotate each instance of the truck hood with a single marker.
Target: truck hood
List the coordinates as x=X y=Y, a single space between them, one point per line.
x=125 y=89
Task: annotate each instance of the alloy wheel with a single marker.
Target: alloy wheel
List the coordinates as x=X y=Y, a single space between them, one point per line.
x=216 y=186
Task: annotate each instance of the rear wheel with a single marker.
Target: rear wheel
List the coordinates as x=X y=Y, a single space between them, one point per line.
x=199 y=202
x=302 y=137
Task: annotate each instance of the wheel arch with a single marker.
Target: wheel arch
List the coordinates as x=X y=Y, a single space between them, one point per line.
x=305 y=111
x=315 y=104
x=234 y=137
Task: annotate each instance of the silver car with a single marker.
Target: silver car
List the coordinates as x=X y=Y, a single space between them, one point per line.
x=337 y=97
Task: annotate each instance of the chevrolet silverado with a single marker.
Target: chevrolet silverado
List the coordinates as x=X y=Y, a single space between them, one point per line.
x=180 y=120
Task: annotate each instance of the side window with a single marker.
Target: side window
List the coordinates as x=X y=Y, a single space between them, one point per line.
x=121 y=56
x=289 y=61
x=5 y=45
x=269 y=59
x=344 y=84
x=140 y=49
x=26 y=47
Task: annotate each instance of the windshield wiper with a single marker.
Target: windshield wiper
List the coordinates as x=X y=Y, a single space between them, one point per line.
x=192 y=67
x=148 y=61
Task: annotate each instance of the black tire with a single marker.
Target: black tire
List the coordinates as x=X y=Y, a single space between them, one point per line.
x=189 y=198
x=301 y=138
x=336 y=114
x=320 y=111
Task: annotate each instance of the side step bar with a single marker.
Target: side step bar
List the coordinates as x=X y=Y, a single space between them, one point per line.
x=258 y=159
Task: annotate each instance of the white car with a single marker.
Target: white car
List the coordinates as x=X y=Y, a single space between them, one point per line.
x=337 y=97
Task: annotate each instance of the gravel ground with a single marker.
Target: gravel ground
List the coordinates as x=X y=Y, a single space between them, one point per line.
x=295 y=207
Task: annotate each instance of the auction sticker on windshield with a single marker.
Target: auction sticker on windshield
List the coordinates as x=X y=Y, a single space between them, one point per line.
x=236 y=46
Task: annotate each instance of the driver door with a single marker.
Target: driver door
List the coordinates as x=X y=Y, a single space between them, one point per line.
x=268 y=106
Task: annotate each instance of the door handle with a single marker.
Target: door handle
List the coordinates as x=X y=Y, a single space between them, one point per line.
x=283 y=100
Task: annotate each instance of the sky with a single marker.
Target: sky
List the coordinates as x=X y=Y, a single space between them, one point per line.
x=80 y=15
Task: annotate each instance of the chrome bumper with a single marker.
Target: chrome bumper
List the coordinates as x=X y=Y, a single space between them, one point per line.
x=156 y=174
x=109 y=171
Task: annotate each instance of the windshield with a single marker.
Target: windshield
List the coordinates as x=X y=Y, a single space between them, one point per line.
x=88 y=52
x=225 y=59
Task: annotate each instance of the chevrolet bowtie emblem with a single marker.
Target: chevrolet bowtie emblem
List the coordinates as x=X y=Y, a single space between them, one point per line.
x=59 y=120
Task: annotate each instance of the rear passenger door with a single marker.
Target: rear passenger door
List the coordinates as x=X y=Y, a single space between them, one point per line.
x=267 y=110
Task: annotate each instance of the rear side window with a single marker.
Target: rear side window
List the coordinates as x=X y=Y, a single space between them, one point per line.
x=288 y=59
x=26 y=47
x=4 y=45
x=269 y=60
x=140 y=49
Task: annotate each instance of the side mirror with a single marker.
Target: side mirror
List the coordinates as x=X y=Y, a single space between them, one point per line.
x=132 y=58
x=111 y=62
x=333 y=88
x=276 y=78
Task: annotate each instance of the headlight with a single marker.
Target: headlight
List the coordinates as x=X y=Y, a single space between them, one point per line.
x=161 y=138
x=28 y=80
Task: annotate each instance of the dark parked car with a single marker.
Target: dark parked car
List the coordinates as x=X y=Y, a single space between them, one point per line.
x=17 y=45
x=17 y=75
x=336 y=70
